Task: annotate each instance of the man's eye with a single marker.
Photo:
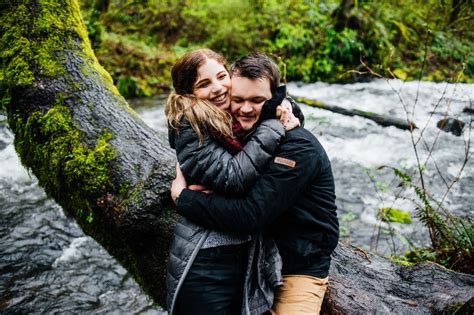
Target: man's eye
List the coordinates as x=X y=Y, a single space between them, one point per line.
x=222 y=76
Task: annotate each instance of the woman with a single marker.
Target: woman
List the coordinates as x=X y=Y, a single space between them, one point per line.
x=207 y=268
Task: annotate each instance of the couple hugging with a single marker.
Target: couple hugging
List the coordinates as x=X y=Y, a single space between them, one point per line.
x=255 y=190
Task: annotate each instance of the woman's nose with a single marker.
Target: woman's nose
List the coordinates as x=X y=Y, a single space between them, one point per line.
x=216 y=87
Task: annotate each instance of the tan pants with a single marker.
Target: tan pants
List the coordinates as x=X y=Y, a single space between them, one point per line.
x=299 y=295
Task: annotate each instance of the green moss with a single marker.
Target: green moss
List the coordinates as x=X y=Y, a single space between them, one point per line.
x=15 y=47
x=401 y=260
x=32 y=43
x=90 y=166
x=394 y=215
x=308 y=102
x=52 y=145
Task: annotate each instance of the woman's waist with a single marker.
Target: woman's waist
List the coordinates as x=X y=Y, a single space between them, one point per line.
x=220 y=238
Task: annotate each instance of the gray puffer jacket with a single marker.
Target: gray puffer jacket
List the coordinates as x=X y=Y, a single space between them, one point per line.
x=211 y=165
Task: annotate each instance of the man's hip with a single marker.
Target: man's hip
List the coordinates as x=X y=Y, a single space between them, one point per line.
x=299 y=294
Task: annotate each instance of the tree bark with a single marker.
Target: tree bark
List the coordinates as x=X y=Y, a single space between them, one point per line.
x=111 y=172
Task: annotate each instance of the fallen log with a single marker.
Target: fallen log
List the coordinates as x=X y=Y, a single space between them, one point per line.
x=97 y=159
x=364 y=283
x=468 y=109
x=378 y=118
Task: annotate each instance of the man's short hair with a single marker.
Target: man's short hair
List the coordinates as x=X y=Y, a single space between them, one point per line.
x=257 y=66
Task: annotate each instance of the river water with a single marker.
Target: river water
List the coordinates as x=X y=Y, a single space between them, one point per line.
x=47 y=264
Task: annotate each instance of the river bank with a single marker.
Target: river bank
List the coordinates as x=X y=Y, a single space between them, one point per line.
x=48 y=264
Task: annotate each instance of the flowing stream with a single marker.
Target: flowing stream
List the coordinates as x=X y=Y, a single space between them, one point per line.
x=48 y=265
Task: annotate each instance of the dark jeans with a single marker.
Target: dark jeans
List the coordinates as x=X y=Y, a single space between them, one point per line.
x=214 y=284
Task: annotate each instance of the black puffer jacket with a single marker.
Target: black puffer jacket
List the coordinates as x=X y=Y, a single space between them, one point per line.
x=294 y=200
x=211 y=165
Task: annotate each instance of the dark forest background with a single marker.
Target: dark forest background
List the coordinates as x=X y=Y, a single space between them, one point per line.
x=332 y=40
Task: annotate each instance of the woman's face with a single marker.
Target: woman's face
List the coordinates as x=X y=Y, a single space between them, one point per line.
x=213 y=84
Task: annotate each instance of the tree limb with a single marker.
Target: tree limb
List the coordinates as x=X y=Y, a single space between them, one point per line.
x=96 y=158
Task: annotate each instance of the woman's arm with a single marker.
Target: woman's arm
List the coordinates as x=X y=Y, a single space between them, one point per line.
x=211 y=165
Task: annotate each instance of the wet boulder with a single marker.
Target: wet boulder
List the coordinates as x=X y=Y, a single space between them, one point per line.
x=455 y=126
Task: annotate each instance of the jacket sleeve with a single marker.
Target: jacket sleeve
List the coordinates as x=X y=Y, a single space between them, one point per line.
x=213 y=166
x=273 y=193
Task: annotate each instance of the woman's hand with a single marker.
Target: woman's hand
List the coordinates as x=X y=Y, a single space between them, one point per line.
x=178 y=184
x=200 y=188
x=287 y=119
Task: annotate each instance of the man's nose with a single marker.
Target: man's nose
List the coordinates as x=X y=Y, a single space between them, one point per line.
x=246 y=108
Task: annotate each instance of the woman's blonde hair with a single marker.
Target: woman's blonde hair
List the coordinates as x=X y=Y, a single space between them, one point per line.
x=201 y=114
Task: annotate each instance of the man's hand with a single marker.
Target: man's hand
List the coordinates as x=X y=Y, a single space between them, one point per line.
x=178 y=184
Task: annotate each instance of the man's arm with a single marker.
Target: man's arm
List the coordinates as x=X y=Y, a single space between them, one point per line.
x=213 y=166
x=275 y=191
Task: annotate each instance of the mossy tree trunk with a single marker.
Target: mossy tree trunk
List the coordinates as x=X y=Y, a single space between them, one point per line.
x=111 y=172
x=86 y=146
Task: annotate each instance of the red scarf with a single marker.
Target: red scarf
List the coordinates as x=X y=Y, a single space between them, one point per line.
x=232 y=145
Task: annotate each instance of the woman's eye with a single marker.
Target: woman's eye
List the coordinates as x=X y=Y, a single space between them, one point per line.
x=222 y=76
x=202 y=85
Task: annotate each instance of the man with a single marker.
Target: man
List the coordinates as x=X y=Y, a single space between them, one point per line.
x=293 y=200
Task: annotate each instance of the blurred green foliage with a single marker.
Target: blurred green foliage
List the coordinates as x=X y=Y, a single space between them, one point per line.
x=139 y=40
x=394 y=215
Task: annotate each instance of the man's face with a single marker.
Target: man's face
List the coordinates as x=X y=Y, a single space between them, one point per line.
x=247 y=99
